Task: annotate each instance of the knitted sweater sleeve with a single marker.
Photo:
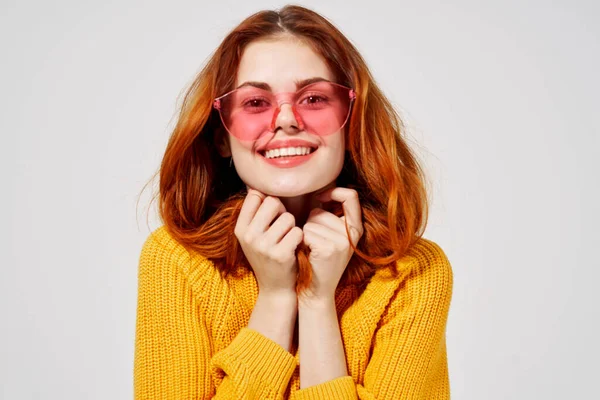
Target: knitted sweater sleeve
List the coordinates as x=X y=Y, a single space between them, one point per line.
x=408 y=353
x=173 y=348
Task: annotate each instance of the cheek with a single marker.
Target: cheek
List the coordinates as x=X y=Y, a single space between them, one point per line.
x=335 y=142
x=240 y=148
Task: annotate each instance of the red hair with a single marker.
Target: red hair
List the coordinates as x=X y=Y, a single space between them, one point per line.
x=200 y=195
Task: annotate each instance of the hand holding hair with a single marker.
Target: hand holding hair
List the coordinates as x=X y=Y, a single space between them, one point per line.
x=330 y=250
x=270 y=249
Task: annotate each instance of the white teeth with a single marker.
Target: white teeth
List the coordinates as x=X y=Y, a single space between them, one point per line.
x=287 y=151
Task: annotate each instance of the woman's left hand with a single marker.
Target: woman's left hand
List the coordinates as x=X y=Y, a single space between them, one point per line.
x=330 y=250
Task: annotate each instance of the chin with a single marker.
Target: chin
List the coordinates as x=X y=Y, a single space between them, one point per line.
x=288 y=189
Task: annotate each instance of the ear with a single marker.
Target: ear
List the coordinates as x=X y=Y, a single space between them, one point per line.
x=222 y=143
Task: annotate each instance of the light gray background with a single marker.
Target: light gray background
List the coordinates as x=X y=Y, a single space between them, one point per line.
x=501 y=99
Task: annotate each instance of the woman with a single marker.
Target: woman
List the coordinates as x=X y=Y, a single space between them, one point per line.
x=290 y=263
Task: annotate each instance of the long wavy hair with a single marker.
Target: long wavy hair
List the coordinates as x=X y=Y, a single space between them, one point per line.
x=200 y=193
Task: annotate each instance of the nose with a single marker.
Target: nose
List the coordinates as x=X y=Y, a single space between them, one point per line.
x=287 y=119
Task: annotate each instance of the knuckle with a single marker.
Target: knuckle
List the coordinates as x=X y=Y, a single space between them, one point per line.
x=261 y=247
x=329 y=253
x=272 y=201
x=329 y=249
x=299 y=234
x=247 y=237
x=308 y=226
x=280 y=257
x=341 y=247
x=288 y=218
x=256 y=193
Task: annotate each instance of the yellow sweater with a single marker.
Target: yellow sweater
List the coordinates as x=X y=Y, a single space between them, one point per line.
x=192 y=339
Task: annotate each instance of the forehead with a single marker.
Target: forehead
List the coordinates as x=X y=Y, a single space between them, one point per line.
x=280 y=62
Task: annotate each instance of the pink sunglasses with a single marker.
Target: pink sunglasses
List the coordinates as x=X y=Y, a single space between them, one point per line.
x=321 y=108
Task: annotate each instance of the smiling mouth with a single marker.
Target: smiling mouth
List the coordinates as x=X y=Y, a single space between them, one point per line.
x=287 y=152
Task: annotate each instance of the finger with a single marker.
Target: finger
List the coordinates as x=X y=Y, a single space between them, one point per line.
x=355 y=233
x=350 y=204
x=332 y=221
x=325 y=233
x=282 y=225
x=322 y=217
x=250 y=206
x=292 y=239
x=270 y=208
x=312 y=238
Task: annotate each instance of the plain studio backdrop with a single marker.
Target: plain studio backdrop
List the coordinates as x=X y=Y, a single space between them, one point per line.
x=501 y=104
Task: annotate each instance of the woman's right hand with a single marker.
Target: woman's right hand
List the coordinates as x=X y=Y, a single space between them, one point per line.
x=270 y=249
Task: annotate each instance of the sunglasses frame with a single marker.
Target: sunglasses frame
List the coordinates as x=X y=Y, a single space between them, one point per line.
x=351 y=94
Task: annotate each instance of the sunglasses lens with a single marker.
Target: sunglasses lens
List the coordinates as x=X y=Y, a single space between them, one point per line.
x=321 y=108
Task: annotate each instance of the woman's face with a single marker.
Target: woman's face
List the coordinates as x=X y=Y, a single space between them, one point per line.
x=280 y=63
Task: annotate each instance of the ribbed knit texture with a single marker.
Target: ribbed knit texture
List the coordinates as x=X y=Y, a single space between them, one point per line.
x=192 y=339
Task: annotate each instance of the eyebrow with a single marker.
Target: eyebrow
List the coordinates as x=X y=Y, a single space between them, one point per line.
x=299 y=84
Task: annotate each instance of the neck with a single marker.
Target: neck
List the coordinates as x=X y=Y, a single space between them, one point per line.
x=300 y=206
